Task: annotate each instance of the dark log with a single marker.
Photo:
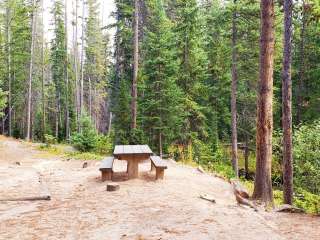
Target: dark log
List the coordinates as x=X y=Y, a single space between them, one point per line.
x=112 y=187
x=289 y=209
x=41 y=198
x=208 y=198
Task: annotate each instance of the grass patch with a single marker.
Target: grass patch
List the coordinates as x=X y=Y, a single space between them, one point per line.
x=66 y=152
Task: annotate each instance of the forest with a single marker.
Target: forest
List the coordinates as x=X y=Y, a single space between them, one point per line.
x=232 y=86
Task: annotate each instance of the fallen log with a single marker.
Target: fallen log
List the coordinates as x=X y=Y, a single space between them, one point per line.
x=242 y=195
x=289 y=209
x=239 y=189
x=208 y=198
x=22 y=199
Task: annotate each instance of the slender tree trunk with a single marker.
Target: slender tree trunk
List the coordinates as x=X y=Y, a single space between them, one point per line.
x=75 y=49
x=42 y=79
x=246 y=159
x=33 y=17
x=82 y=61
x=67 y=122
x=90 y=98
x=234 y=95
x=134 y=93
x=287 y=105
x=263 y=184
x=301 y=73
x=8 y=29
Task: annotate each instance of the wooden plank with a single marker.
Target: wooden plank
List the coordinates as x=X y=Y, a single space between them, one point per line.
x=145 y=149
x=118 y=149
x=132 y=149
x=158 y=162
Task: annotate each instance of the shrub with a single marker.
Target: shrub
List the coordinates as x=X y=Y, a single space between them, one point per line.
x=86 y=140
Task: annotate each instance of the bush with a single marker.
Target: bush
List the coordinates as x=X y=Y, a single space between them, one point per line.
x=86 y=140
x=89 y=140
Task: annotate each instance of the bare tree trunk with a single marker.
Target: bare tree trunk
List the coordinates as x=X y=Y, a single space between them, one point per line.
x=234 y=95
x=134 y=93
x=75 y=49
x=42 y=79
x=301 y=64
x=8 y=29
x=287 y=105
x=82 y=61
x=33 y=17
x=67 y=122
x=263 y=184
x=90 y=98
x=246 y=159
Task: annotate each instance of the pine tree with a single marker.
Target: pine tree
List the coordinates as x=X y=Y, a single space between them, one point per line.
x=58 y=57
x=162 y=98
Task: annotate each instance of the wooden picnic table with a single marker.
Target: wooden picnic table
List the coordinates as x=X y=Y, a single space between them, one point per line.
x=133 y=154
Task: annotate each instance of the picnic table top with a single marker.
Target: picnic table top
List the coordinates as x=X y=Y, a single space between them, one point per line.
x=132 y=149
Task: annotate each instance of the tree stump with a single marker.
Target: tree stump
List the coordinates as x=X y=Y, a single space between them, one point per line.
x=112 y=187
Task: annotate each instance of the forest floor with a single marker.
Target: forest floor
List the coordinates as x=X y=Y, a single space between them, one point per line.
x=81 y=208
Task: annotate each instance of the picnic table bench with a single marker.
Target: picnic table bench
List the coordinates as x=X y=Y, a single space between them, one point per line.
x=106 y=168
x=159 y=165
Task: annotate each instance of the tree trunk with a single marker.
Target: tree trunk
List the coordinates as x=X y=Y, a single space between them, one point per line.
x=33 y=18
x=134 y=93
x=263 y=185
x=246 y=159
x=75 y=65
x=67 y=120
x=42 y=80
x=301 y=73
x=287 y=105
x=82 y=61
x=234 y=95
x=8 y=29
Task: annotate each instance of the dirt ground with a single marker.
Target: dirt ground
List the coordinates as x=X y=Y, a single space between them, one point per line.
x=81 y=208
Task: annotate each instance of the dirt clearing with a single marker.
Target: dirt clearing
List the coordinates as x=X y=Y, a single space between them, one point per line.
x=81 y=208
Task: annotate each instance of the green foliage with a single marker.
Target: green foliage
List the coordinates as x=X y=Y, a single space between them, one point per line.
x=49 y=140
x=88 y=140
x=306 y=157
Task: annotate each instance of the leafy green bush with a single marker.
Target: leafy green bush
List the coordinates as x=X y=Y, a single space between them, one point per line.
x=104 y=144
x=86 y=140
x=49 y=140
x=306 y=155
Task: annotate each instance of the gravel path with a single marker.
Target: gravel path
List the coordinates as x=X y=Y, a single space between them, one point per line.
x=142 y=209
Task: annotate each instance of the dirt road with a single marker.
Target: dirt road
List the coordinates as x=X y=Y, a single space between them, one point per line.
x=143 y=209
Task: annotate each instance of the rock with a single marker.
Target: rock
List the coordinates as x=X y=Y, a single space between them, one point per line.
x=85 y=165
x=111 y=187
x=17 y=163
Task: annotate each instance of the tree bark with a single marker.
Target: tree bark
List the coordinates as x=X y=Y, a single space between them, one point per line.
x=234 y=95
x=287 y=105
x=263 y=185
x=75 y=65
x=134 y=93
x=28 y=134
x=82 y=61
x=8 y=29
x=42 y=79
x=67 y=120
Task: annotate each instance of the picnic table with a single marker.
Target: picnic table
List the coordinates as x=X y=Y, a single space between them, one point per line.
x=133 y=154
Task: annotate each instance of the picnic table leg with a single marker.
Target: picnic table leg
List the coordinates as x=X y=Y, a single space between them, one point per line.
x=133 y=168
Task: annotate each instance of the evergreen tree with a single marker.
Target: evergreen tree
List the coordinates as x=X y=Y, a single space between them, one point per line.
x=58 y=56
x=161 y=102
